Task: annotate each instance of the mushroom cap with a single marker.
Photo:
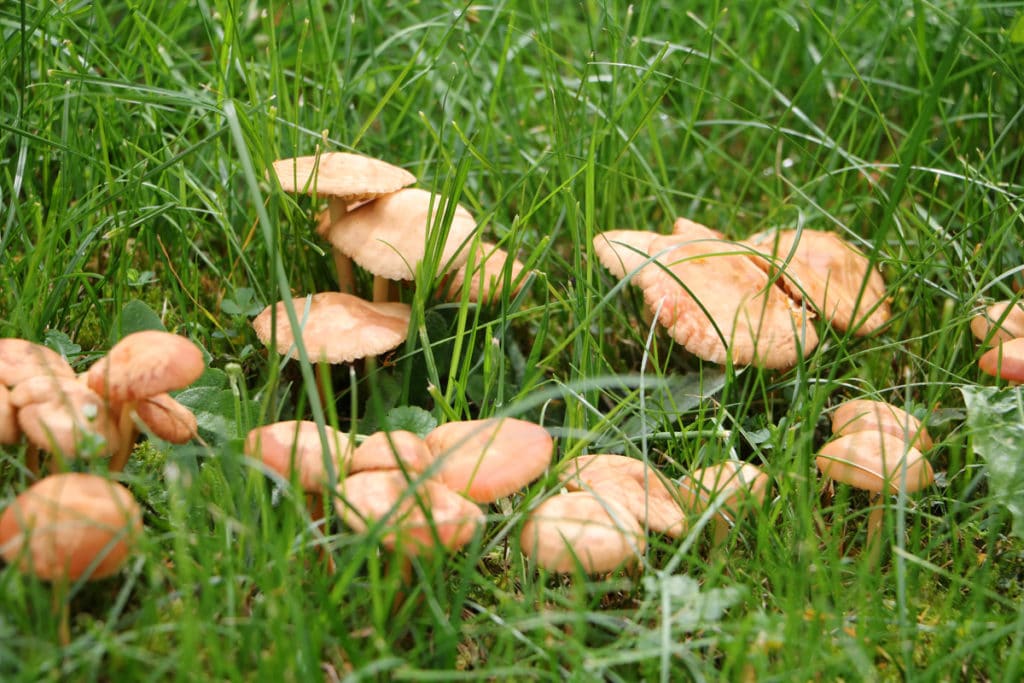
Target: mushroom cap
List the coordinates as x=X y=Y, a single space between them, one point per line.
x=639 y=488
x=20 y=359
x=684 y=226
x=411 y=519
x=352 y=177
x=597 y=533
x=294 y=445
x=1005 y=360
x=9 y=431
x=43 y=388
x=167 y=419
x=862 y=414
x=875 y=462
x=338 y=327
x=489 y=459
x=739 y=482
x=759 y=323
x=145 y=364
x=388 y=236
x=61 y=423
x=384 y=451
x=623 y=252
x=1000 y=322
x=63 y=524
x=487 y=276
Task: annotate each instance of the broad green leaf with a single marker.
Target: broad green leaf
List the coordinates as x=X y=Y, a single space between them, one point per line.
x=1017 y=32
x=411 y=419
x=136 y=316
x=996 y=421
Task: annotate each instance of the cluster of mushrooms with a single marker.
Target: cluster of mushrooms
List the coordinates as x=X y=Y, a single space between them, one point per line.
x=1001 y=325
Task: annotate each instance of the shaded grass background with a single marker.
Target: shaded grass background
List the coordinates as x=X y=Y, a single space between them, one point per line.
x=897 y=124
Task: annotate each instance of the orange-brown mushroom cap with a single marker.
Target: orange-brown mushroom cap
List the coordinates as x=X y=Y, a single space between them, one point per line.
x=486 y=269
x=65 y=524
x=385 y=450
x=623 y=252
x=63 y=422
x=295 y=446
x=351 y=177
x=875 y=462
x=145 y=364
x=738 y=482
x=21 y=359
x=999 y=322
x=1005 y=360
x=167 y=419
x=861 y=415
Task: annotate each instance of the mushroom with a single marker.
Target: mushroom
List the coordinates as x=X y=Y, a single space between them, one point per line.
x=9 y=432
x=344 y=179
x=489 y=459
x=623 y=252
x=580 y=529
x=397 y=450
x=861 y=415
x=1006 y=360
x=167 y=419
x=999 y=322
x=20 y=360
x=734 y=484
x=487 y=277
x=390 y=236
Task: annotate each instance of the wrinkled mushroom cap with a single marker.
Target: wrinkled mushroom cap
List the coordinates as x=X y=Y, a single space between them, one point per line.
x=63 y=524
x=758 y=323
x=488 y=459
x=384 y=451
x=388 y=236
x=144 y=364
x=861 y=415
x=20 y=359
x=412 y=518
x=740 y=483
x=829 y=272
x=294 y=445
x=487 y=275
x=338 y=327
x=1006 y=360
x=875 y=462
x=167 y=419
x=1000 y=322
x=628 y=481
x=623 y=252
x=352 y=177
x=581 y=529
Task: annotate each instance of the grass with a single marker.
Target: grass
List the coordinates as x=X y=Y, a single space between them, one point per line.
x=135 y=140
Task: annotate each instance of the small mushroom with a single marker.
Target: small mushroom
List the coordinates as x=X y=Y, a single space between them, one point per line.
x=861 y=415
x=167 y=419
x=999 y=322
x=623 y=252
x=1005 y=361
x=735 y=484
x=21 y=359
x=397 y=450
x=488 y=269
x=293 y=448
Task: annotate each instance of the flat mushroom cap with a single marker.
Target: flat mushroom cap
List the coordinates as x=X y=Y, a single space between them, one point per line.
x=738 y=482
x=829 y=272
x=295 y=445
x=639 y=488
x=411 y=518
x=1000 y=322
x=144 y=364
x=384 y=451
x=352 y=177
x=875 y=462
x=63 y=524
x=388 y=236
x=599 y=534
x=338 y=327
x=9 y=431
x=61 y=423
x=759 y=323
x=861 y=415
x=167 y=419
x=489 y=459
x=623 y=252
x=20 y=359
x=487 y=277
x=1006 y=360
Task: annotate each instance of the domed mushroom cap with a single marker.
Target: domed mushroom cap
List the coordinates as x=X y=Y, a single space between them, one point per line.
x=599 y=534
x=829 y=272
x=875 y=462
x=352 y=177
x=9 y=432
x=388 y=236
x=294 y=445
x=488 y=459
x=144 y=364
x=167 y=419
x=860 y=415
x=63 y=524
x=43 y=388
x=412 y=518
x=684 y=226
x=1000 y=322
x=487 y=268
x=20 y=359
x=623 y=252
x=637 y=487
x=740 y=483
x=1006 y=360
x=62 y=423
x=758 y=323
x=337 y=328
x=384 y=451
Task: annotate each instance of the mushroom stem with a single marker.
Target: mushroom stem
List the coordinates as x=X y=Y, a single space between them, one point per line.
x=874 y=541
x=403 y=564
x=337 y=209
x=32 y=460
x=127 y=433
x=315 y=505
x=381 y=289
x=62 y=608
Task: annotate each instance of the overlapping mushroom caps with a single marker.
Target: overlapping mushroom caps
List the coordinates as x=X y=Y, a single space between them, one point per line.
x=999 y=322
x=1006 y=360
x=294 y=448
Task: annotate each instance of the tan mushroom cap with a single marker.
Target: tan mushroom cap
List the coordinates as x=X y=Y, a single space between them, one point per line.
x=352 y=177
x=830 y=273
x=337 y=328
x=167 y=419
x=623 y=252
x=43 y=388
x=684 y=226
x=388 y=236
x=759 y=323
x=875 y=462
x=63 y=524
x=294 y=445
x=740 y=483
x=9 y=431
x=20 y=359
x=581 y=529
x=385 y=450
x=486 y=277
x=489 y=459
x=1000 y=322
x=411 y=518
x=144 y=364
x=639 y=488
x=1006 y=360
x=63 y=422
x=861 y=415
